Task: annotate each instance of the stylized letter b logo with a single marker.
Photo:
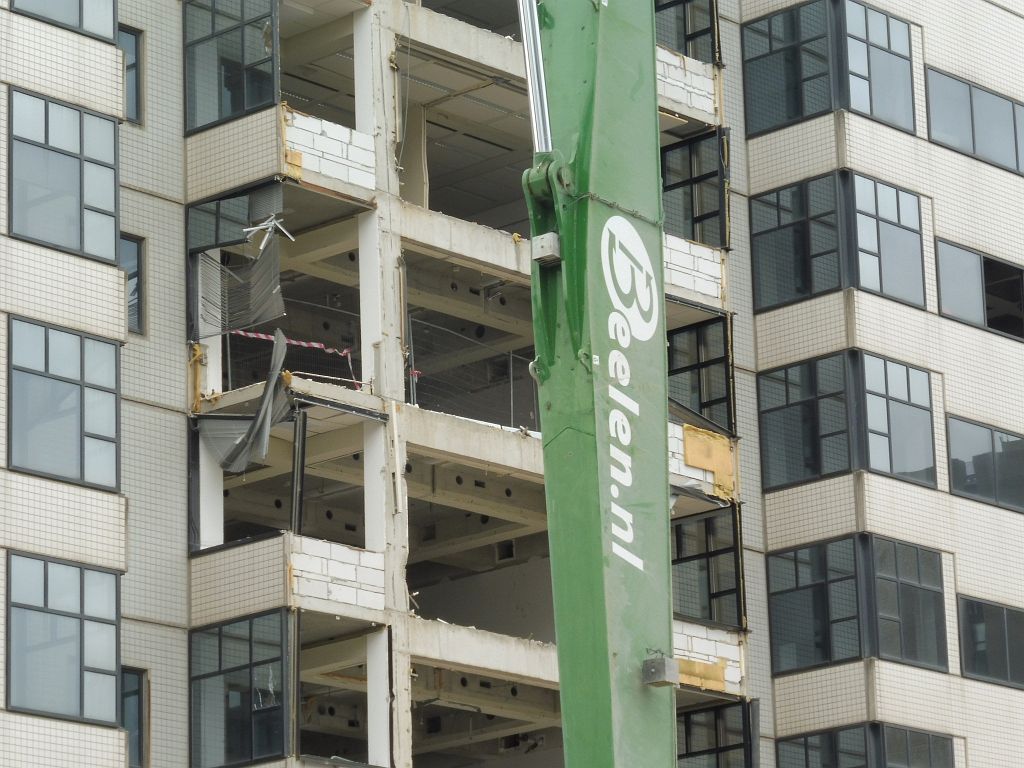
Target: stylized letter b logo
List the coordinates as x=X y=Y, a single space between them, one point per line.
x=629 y=276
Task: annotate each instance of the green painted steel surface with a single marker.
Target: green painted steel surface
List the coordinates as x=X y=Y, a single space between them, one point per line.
x=601 y=364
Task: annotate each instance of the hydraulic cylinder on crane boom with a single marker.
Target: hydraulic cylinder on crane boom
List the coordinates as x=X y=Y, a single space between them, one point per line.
x=594 y=198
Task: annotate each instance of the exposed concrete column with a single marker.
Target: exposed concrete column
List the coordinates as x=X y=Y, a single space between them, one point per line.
x=401 y=681
x=414 y=173
x=378 y=698
x=380 y=254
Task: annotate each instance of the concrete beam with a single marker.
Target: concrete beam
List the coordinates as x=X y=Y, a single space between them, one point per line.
x=340 y=654
x=503 y=451
x=317 y=43
x=319 y=448
x=320 y=243
x=449 y=646
x=477 y=729
x=449 y=537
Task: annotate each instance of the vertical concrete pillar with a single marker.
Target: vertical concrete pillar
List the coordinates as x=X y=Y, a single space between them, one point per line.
x=378 y=698
x=211 y=498
x=376 y=476
x=415 y=181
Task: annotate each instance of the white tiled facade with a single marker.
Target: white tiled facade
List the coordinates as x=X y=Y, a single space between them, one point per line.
x=462 y=671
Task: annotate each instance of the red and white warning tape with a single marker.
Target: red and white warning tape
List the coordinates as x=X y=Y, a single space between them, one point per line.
x=346 y=352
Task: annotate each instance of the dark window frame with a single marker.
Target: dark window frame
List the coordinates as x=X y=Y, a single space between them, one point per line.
x=747 y=746
x=736 y=548
x=961 y=601
x=874 y=732
x=721 y=138
x=883 y=730
x=688 y=37
x=82 y=159
x=829 y=75
x=140 y=276
x=702 y=364
x=273 y=58
x=82 y=385
x=845 y=35
x=49 y=20
x=142 y=694
x=133 y=66
x=81 y=617
x=857 y=579
x=286 y=661
x=995 y=502
x=1016 y=108
x=833 y=734
x=982 y=257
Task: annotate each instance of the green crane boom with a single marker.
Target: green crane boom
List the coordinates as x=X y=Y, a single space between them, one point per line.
x=595 y=209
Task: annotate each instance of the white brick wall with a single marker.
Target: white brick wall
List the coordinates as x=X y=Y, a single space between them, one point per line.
x=331 y=150
x=686 y=86
x=698 y=642
x=337 y=572
x=677 y=461
x=693 y=267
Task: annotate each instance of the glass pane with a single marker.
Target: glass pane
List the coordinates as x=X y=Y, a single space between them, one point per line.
x=712 y=341
x=65 y=354
x=198 y=20
x=205 y=652
x=789 y=445
x=99 y=138
x=799 y=628
x=1004 y=297
x=874 y=374
x=892 y=91
x=266 y=691
x=259 y=85
x=855 y=23
x=690 y=588
x=63 y=11
x=682 y=350
x=131 y=94
x=840 y=558
x=961 y=285
x=781 y=573
x=701 y=731
x=858 y=55
x=228 y=13
x=258 y=41
x=100 y=462
x=942 y=752
x=878 y=414
x=792 y=753
x=896 y=378
x=949 y=111
x=100 y=363
x=870 y=272
x=902 y=275
x=266 y=637
x=845 y=640
x=878 y=28
x=773 y=90
x=45 y=425
x=821 y=196
x=100 y=595
x=100 y=642
x=720 y=532
x=235 y=644
x=254 y=8
x=46 y=201
x=1010 y=469
x=919 y=387
x=692 y=537
x=99 y=186
x=860 y=94
x=98 y=18
x=100 y=701
x=127 y=42
x=28 y=117
x=909 y=210
x=993 y=128
x=26 y=581
x=824 y=272
x=268 y=733
x=899 y=37
x=28 y=344
x=885 y=557
x=44 y=664
x=99 y=235
x=63 y=587
x=810 y=565
x=889 y=644
x=983 y=640
x=1015 y=630
x=724 y=609
x=878 y=453
x=779 y=266
x=896 y=755
x=843 y=599
x=723 y=572
x=100 y=412
x=865 y=193
x=65 y=129
x=1019 y=113
x=888 y=596
x=831 y=415
x=888 y=206
x=922 y=615
x=913 y=456
x=221 y=720
x=867 y=233
x=931 y=568
x=906 y=562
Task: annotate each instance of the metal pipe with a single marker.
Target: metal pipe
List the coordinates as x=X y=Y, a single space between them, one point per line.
x=540 y=123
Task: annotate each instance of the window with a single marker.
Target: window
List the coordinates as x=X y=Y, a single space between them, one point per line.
x=804 y=431
x=878 y=49
x=815 y=595
x=786 y=67
x=64 y=405
x=129 y=256
x=804 y=422
x=693 y=192
x=128 y=40
x=986 y=463
x=867 y=746
x=94 y=17
x=688 y=26
x=706 y=568
x=795 y=242
x=238 y=693
x=846 y=747
x=905 y=748
x=974 y=121
x=217 y=223
x=698 y=370
x=720 y=736
x=889 y=241
x=63 y=176
x=980 y=290
x=908 y=593
x=899 y=420
x=62 y=647
x=133 y=714
x=797 y=252
x=812 y=600
x=230 y=59
x=992 y=642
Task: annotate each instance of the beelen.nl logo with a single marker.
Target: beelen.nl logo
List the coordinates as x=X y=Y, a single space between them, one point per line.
x=632 y=288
